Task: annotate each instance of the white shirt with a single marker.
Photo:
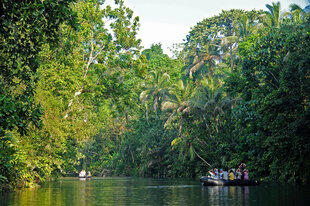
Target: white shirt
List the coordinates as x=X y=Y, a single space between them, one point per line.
x=225 y=175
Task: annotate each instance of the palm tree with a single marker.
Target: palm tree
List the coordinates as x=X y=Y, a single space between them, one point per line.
x=204 y=56
x=230 y=43
x=296 y=14
x=211 y=102
x=156 y=90
x=273 y=15
x=178 y=102
x=245 y=27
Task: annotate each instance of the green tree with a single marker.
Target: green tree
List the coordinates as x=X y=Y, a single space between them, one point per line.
x=212 y=102
x=160 y=62
x=155 y=91
x=178 y=102
x=25 y=26
x=215 y=40
x=91 y=64
x=273 y=116
x=273 y=15
x=296 y=14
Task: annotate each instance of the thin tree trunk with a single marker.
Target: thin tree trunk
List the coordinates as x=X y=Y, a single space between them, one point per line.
x=91 y=58
x=207 y=126
x=202 y=158
x=169 y=119
x=181 y=126
x=201 y=141
x=132 y=157
x=155 y=105
x=146 y=113
x=231 y=59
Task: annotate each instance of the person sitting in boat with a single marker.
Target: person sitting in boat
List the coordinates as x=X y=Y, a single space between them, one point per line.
x=221 y=174
x=211 y=173
x=88 y=174
x=242 y=174
x=246 y=174
x=231 y=175
x=238 y=174
x=216 y=173
x=242 y=166
x=82 y=173
x=225 y=175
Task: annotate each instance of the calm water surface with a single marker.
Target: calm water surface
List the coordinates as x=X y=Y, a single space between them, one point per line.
x=149 y=191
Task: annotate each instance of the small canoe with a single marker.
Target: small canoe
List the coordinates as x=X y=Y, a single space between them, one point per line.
x=209 y=181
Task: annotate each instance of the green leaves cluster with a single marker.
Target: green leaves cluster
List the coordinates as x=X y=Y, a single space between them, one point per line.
x=24 y=27
x=88 y=67
x=276 y=78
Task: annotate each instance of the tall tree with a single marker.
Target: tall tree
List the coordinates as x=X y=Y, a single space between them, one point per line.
x=178 y=102
x=155 y=91
x=296 y=14
x=273 y=14
x=90 y=65
x=273 y=112
x=214 y=40
x=25 y=26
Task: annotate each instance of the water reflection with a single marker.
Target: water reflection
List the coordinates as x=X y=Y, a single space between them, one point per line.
x=227 y=195
x=148 y=191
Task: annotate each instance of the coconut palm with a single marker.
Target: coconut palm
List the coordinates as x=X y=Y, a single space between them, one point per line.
x=178 y=102
x=245 y=27
x=273 y=15
x=230 y=43
x=204 y=56
x=296 y=13
x=211 y=103
x=156 y=89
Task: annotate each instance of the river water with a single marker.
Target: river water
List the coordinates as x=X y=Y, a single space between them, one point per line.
x=150 y=191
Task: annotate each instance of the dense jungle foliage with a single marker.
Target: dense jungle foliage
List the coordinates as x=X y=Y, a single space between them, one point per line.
x=77 y=91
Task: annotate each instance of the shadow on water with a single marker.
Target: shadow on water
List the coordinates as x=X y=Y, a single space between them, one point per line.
x=149 y=191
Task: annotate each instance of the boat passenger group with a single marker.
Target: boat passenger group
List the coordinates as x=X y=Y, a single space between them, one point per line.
x=242 y=173
x=83 y=174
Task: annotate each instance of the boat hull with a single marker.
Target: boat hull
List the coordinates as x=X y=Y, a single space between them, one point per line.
x=84 y=176
x=209 y=181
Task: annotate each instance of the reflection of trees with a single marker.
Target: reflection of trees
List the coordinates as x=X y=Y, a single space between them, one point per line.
x=131 y=191
x=227 y=195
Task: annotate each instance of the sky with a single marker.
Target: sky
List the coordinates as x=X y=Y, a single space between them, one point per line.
x=169 y=21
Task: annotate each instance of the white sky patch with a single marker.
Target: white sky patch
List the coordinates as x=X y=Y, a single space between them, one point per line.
x=164 y=33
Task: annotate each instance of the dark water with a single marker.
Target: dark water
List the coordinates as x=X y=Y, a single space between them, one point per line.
x=148 y=191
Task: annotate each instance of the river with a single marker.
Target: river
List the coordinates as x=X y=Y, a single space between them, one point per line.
x=151 y=191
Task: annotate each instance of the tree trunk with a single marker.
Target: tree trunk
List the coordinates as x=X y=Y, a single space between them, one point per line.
x=181 y=126
x=202 y=158
x=231 y=59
